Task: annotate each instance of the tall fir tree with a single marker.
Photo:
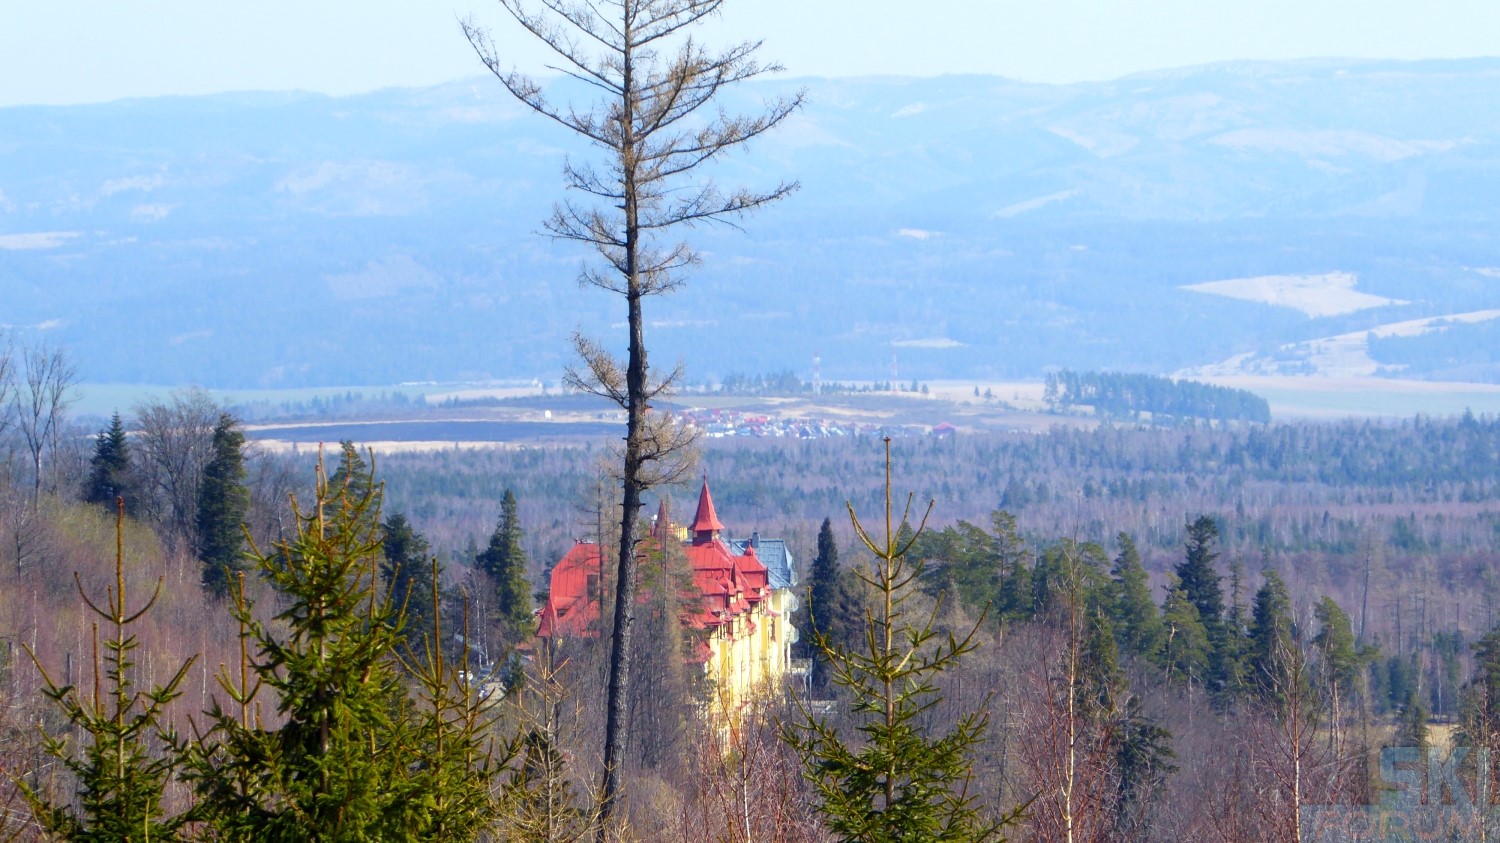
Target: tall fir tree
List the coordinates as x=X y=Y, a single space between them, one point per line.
x=111 y=475
x=223 y=502
x=1231 y=666
x=1136 y=622
x=1013 y=599
x=504 y=561
x=1203 y=587
x=1198 y=578
x=408 y=576
x=1273 y=637
x=822 y=595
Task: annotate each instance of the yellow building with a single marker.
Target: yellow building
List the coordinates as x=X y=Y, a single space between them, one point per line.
x=742 y=609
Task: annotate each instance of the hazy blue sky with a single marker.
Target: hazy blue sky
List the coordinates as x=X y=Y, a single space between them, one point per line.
x=64 y=51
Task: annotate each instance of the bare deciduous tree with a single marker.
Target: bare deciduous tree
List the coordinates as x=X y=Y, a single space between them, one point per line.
x=41 y=400
x=656 y=122
x=174 y=444
x=7 y=387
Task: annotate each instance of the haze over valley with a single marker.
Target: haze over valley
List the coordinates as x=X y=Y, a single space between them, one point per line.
x=1233 y=219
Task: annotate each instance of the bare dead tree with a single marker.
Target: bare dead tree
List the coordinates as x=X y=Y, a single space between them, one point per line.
x=7 y=389
x=656 y=123
x=41 y=399
x=174 y=442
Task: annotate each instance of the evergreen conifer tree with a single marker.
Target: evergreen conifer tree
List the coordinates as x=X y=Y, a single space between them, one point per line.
x=1340 y=660
x=1231 y=656
x=1411 y=724
x=351 y=756
x=120 y=775
x=1479 y=718
x=822 y=595
x=1185 y=653
x=354 y=472
x=1272 y=639
x=504 y=561
x=408 y=575
x=1013 y=599
x=110 y=473
x=897 y=783
x=223 y=502
x=1136 y=622
x=1198 y=579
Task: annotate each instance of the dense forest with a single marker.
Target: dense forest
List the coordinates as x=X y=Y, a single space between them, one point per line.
x=1223 y=602
x=1119 y=395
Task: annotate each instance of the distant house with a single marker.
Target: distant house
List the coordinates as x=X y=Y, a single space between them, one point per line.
x=944 y=430
x=742 y=610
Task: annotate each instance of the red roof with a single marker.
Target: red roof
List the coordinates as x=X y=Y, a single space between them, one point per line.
x=572 y=607
x=706 y=521
x=727 y=585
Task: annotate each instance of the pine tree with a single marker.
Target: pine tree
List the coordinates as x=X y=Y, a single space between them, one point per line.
x=1013 y=600
x=1411 y=724
x=822 y=594
x=110 y=473
x=897 y=783
x=223 y=501
x=1272 y=640
x=120 y=775
x=408 y=576
x=1479 y=719
x=352 y=757
x=1202 y=585
x=1185 y=653
x=1339 y=660
x=1198 y=579
x=1136 y=621
x=355 y=473
x=504 y=561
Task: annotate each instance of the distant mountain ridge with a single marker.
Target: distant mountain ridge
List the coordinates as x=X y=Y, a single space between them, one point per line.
x=958 y=226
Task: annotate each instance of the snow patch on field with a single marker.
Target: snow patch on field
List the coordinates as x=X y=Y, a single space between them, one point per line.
x=1330 y=294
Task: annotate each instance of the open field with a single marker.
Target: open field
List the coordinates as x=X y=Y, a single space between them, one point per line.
x=1294 y=396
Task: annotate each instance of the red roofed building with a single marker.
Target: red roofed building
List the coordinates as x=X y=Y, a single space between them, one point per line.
x=573 y=599
x=743 y=621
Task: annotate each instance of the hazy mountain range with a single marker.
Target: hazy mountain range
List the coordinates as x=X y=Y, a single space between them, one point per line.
x=964 y=226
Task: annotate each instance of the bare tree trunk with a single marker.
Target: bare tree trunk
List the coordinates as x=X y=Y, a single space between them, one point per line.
x=654 y=76
x=40 y=404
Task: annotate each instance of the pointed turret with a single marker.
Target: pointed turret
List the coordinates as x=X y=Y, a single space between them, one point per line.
x=706 y=524
x=662 y=529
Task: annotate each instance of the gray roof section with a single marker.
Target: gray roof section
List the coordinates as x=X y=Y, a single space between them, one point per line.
x=781 y=567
